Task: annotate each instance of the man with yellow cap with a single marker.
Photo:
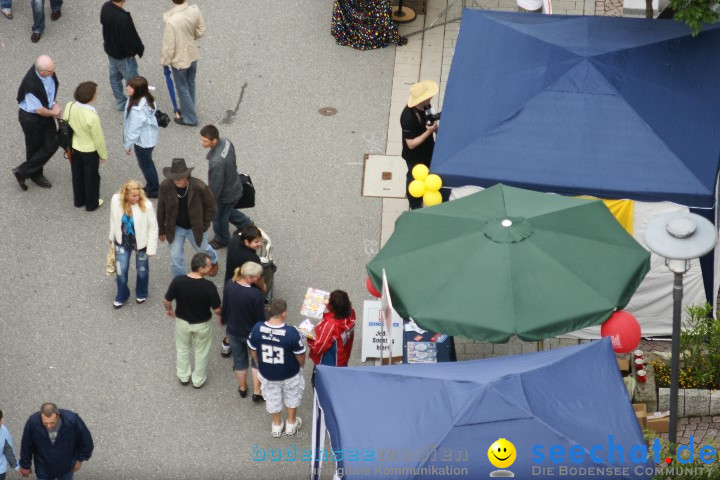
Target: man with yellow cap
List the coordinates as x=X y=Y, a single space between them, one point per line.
x=418 y=136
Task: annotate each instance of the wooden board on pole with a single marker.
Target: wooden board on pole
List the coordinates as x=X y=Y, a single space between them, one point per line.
x=408 y=14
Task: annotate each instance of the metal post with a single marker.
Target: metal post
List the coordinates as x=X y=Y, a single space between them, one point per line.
x=382 y=337
x=675 y=360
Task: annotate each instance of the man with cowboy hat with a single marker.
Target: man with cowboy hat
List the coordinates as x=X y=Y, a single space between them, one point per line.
x=185 y=210
x=418 y=137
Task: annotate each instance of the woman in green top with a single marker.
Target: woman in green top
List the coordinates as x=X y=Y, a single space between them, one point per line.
x=88 y=146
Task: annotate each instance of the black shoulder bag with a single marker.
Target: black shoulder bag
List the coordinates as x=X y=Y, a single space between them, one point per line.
x=65 y=134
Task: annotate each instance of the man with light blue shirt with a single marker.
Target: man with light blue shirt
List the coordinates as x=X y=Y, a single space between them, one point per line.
x=37 y=99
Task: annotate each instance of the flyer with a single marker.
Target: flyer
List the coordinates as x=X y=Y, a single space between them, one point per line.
x=422 y=352
x=314 y=304
x=307 y=329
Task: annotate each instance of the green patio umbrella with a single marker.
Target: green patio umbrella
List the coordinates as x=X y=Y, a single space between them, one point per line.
x=507 y=261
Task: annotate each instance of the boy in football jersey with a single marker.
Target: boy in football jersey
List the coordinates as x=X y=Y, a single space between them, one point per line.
x=279 y=353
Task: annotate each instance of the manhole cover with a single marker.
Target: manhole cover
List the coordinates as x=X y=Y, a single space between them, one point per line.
x=328 y=111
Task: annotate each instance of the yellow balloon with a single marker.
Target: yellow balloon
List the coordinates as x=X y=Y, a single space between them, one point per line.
x=420 y=172
x=416 y=188
x=432 y=198
x=433 y=183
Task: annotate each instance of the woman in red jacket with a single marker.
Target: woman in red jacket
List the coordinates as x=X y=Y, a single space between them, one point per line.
x=334 y=335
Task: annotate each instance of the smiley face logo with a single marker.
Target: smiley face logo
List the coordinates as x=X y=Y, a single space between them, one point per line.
x=502 y=453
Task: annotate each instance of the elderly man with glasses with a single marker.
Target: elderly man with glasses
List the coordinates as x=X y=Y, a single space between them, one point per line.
x=38 y=111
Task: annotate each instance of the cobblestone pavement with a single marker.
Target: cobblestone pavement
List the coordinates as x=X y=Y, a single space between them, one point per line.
x=609 y=8
x=703 y=430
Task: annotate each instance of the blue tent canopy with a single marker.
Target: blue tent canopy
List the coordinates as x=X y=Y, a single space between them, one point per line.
x=399 y=420
x=611 y=107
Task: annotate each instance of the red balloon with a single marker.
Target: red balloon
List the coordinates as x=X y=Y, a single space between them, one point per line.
x=624 y=331
x=371 y=288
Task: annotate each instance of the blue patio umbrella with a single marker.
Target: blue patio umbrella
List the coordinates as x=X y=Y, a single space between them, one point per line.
x=583 y=105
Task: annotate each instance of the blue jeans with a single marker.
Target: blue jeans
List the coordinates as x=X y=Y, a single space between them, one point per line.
x=185 y=86
x=5 y=4
x=67 y=476
x=142 y=268
x=240 y=353
x=177 y=249
x=224 y=216
x=120 y=70
x=145 y=162
x=38 y=10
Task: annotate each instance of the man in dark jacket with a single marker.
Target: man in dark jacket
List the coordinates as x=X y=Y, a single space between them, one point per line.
x=57 y=440
x=38 y=109
x=225 y=185
x=121 y=42
x=185 y=209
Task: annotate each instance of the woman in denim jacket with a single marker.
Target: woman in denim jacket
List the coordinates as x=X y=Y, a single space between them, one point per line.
x=8 y=458
x=141 y=131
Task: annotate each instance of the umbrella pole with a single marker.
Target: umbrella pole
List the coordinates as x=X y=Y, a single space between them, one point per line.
x=675 y=360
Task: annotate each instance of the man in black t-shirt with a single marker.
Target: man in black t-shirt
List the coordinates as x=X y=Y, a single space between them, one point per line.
x=418 y=138
x=196 y=300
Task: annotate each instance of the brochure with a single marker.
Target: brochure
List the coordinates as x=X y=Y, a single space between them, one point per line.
x=314 y=304
x=307 y=328
x=422 y=352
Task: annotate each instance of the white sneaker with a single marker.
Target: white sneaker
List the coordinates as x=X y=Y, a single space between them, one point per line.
x=100 y=202
x=277 y=430
x=292 y=428
x=225 y=352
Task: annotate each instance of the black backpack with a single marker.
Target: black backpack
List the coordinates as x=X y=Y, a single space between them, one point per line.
x=248 y=192
x=65 y=134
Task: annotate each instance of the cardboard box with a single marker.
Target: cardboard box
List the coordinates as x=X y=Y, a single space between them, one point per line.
x=641 y=414
x=624 y=365
x=659 y=425
x=659 y=422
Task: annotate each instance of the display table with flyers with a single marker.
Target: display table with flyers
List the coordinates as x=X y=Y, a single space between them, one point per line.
x=427 y=347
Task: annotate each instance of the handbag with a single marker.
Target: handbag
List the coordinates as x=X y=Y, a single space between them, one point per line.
x=248 y=196
x=65 y=134
x=110 y=265
x=162 y=118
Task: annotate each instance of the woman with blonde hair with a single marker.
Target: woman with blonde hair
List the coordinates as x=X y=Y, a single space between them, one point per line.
x=133 y=226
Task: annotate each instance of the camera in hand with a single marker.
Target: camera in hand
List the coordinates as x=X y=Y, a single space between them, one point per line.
x=431 y=116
